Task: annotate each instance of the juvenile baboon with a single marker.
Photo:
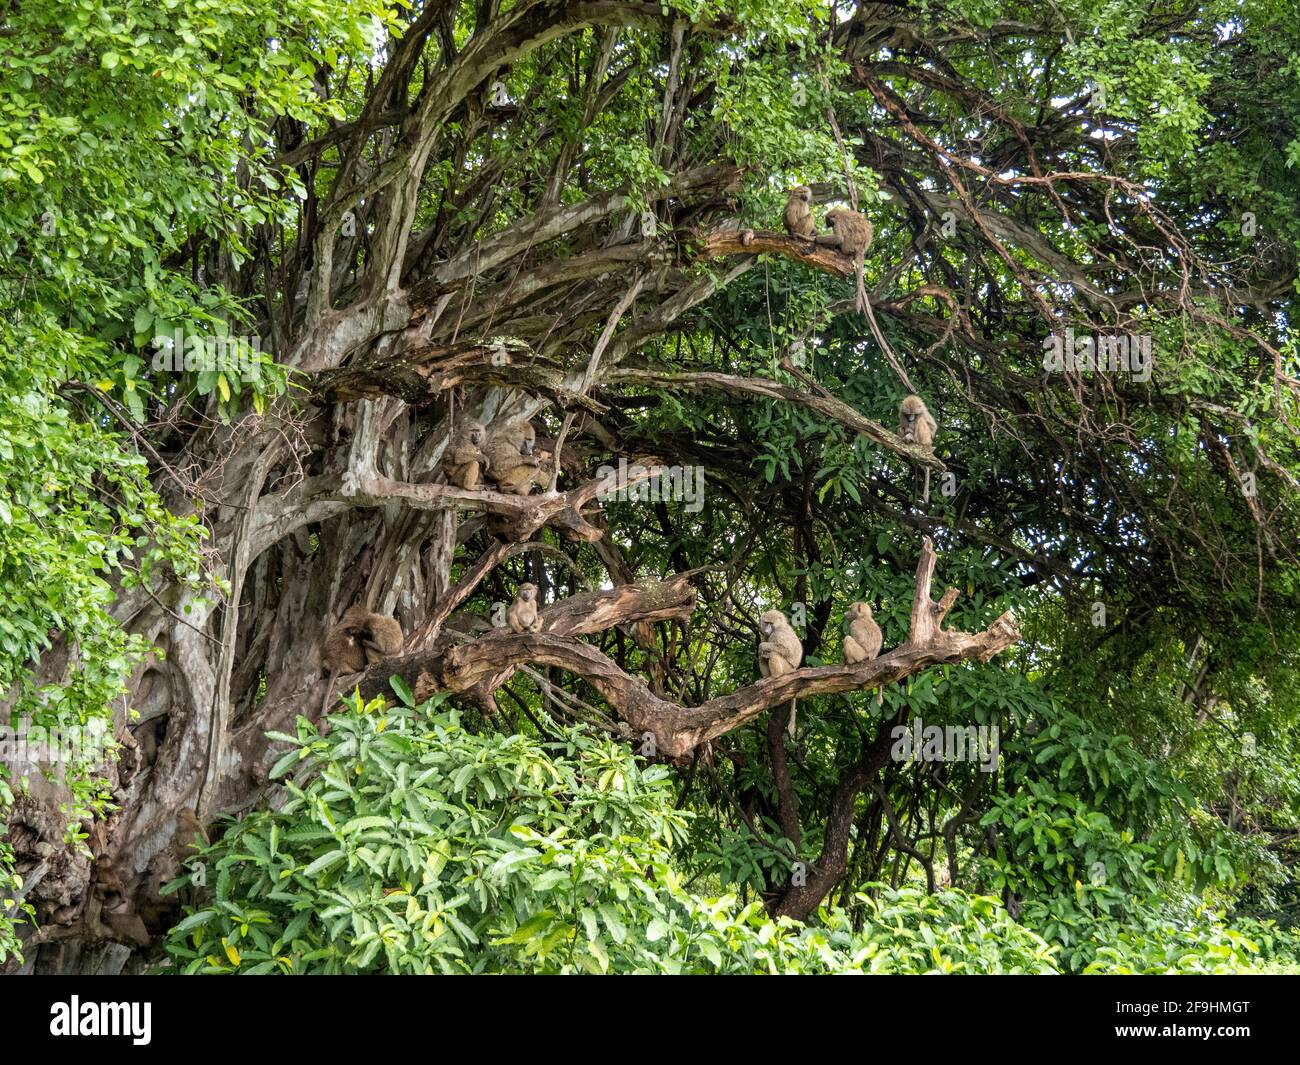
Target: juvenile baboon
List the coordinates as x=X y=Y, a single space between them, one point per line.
x=464 y=459
x=798 y=218
x=511 y=462
x=522 y=615
x=916 y=424
x=779 y=652
x=381 y=637
x=864 y=638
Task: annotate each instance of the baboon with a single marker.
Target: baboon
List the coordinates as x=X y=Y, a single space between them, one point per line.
x=107 y=885
x=381 y=637
x=916 y=424
x=798 y=217
x=864 y=637
x=464 y=459
x=511 y=462
x=522 y=615
x=779 y=652
x=147 y=742
x=188 y=826
x=851 y=232
x=342 y=652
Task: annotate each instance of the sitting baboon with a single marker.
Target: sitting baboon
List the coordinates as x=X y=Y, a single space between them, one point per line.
x=798 y=216
x=864 y=637
x=511 y=462
x=779 y=652
x=464 y=458
x=522 y=615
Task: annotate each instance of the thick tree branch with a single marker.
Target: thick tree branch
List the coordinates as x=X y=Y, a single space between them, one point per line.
x=566 y=219
x=718 y=243
x=521 y=516
x=480 y=664
x=828 y=405
x=419 y=374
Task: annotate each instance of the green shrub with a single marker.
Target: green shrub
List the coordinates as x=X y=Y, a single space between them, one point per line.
x=412 y=845
x=409 y=844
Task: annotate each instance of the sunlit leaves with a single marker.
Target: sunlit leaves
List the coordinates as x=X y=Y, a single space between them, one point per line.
x=413 y=845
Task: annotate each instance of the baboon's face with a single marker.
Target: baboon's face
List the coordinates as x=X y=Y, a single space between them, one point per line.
x=770 y=620
x=804 y=193
x=528 y=592
x=477 y=435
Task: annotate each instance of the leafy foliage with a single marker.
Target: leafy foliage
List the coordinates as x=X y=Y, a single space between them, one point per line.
x=120 y=125
x=412 y=845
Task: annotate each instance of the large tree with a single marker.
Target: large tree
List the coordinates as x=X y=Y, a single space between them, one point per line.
x=566 y=212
